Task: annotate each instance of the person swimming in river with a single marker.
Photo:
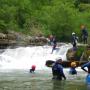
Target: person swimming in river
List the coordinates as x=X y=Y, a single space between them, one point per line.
x=73 y=68
x=32 y=68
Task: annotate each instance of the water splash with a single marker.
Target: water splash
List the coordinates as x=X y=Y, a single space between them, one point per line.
x=24 y=57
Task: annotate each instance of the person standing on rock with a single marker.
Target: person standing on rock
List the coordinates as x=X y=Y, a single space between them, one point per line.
x=74 y=40
x=84 y=34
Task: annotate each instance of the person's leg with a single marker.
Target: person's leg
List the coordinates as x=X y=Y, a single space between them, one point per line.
x=84 y=40
x=59 y=77
x=54 y=73
x=53 y=48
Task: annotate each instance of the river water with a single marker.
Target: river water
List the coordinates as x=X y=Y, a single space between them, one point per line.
x=15 y=65
x=40 y=80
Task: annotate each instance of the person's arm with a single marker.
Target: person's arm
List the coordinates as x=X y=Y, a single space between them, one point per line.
x=85 y=65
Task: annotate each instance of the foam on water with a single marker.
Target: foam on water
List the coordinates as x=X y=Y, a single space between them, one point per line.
x=24 y=57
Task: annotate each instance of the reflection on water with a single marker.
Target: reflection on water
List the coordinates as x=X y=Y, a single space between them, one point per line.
x=40 y=80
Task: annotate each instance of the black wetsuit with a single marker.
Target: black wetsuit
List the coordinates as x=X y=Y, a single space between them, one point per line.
x=57 y=71
x=84 y=35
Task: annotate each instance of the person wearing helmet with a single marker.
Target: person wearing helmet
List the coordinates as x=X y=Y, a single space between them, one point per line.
x=57 y=70
x=72 y=68
x=54 y=44
x=74 y=40
x=32 y=68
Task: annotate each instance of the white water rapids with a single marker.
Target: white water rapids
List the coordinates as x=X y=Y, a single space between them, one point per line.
x=25 y=57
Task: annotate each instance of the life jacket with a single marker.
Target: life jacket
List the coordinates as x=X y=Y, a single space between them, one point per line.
x=73 y=71
x=57 y=68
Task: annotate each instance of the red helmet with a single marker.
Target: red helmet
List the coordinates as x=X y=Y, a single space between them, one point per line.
x=33 y=66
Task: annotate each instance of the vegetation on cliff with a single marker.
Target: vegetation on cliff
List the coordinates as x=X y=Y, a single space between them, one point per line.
x=44 y=17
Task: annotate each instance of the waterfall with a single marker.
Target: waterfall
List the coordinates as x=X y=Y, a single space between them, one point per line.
x=25 y=57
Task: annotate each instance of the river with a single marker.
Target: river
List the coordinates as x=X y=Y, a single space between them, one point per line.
x=15 y=65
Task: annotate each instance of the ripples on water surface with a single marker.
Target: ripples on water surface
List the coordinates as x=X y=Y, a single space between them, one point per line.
x=22 y=58
x=40 y=80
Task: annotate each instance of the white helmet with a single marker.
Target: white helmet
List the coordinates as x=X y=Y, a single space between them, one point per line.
x=59 y=58
x=73 y=33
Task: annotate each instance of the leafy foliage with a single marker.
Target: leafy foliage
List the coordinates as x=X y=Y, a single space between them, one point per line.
x=79 y=52
x=57 y=17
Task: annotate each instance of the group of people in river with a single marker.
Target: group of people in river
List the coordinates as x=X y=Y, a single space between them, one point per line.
x=58 y=73
x=57 y=68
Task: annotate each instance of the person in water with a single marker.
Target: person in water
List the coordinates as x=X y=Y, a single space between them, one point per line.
x=73 y=68
x=57 y=70
x=83 y=67
x=74 y=40
x=32 y=68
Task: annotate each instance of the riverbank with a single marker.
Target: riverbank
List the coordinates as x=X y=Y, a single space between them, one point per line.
x=14 y=39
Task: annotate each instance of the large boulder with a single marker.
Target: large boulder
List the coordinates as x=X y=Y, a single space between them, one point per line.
x=86 y=54
x=71 y=54
x=75 y=54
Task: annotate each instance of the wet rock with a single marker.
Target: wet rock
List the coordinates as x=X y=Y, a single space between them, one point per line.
x=86 y=54
x=71 y=54
x=19 y=39
x=75 y=55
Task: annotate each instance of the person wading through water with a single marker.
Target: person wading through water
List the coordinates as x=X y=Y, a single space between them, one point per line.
x=33 y=67
x=72 y=68
x=74 y=40
x=86 y=68
x=57 y=70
